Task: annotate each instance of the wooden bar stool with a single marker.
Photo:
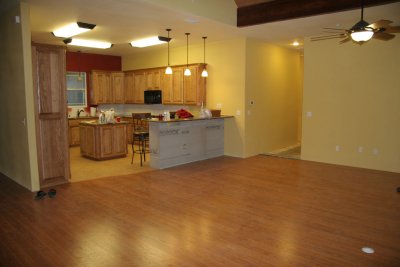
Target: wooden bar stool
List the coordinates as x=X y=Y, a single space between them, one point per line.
x=140 y=135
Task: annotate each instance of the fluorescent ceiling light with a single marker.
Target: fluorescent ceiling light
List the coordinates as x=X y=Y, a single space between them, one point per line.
x=73 y=29
x=88 y=43
x=155 y=40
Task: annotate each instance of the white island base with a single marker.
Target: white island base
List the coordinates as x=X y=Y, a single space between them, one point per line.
x=178 y=142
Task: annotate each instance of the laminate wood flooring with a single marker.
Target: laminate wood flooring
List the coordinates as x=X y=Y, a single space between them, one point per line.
x=259 y=211
x=83 y=169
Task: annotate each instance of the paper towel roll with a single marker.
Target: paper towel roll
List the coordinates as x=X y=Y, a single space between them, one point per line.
x=92 y=111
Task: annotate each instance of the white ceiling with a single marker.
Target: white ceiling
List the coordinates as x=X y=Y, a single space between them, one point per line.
x=121 y=21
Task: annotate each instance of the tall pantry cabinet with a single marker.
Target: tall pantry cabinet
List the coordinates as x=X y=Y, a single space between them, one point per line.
x=51 y=114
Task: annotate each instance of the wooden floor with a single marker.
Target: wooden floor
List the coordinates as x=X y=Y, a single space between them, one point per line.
x=260 y=211
x=83 y=169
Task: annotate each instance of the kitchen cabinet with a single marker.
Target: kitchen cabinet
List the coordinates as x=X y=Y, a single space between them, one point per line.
x=180 y=89
x=153 y=78
x=48 y=65
x=106 y=87
x=139 y=86
x=74 y=133
x=129 y=87
x=103 y=141
x=117 y=86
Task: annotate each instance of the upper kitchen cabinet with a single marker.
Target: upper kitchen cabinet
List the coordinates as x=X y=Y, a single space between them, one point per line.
x=180 y=89
x=139 y=86
x=117 y=86
x=129 y=85
x=100 y=89
x=172 y=87
x=153 y=78
x=106 y=87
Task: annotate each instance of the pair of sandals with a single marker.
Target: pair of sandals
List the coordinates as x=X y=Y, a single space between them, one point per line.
x=41 y=194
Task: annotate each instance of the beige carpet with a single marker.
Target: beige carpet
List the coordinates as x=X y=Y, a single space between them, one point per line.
x=83 y=169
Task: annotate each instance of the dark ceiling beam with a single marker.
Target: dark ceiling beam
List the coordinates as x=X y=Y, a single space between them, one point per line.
x=279 y=10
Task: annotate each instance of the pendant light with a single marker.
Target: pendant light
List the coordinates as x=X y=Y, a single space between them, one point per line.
x=187 y=70
x=168 y=70
x=204 y=72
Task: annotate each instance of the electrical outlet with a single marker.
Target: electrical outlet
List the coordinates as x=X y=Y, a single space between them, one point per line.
x=337 y=148
x=375 y=151
x=238 y=112
x=17 y=19
x=249 y=112
x=219 y=105
x=309 y=114
x=360 y=149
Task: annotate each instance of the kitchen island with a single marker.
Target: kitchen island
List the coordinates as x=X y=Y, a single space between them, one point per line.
x=181 y=141
x=103 y=141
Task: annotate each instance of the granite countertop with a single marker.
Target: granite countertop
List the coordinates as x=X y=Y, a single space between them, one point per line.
x=83 y=117
x=96 y=123
x=188 y=119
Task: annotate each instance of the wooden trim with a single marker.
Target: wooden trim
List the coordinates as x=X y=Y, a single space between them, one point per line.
x=280 y=10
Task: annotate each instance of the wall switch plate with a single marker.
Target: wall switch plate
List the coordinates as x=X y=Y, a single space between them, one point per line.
x=309 y=114
x=360 y=149
x=17 y=19
x=337 y=148
x=219 y=105
x=238 y=112
x=375 y=151
x=249 y=112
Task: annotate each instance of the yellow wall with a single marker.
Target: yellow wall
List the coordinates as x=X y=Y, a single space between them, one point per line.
x=353 y=92
x=274 y=84
x=18 y=158
x=225 y=84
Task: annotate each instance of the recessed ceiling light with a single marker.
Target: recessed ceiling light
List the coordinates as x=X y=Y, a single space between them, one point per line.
x=73 y=29
x=154 y=40
x=295 y=43
x=88 y=43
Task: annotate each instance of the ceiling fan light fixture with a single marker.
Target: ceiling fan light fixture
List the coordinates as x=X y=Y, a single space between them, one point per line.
x=73 y=29
x=88 y=43
x=362 y=36
x=154 y=40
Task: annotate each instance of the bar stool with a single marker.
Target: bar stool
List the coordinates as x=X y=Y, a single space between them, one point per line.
x=140 y=135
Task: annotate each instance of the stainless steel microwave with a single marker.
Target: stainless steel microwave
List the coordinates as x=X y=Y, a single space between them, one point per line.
x=152 y=97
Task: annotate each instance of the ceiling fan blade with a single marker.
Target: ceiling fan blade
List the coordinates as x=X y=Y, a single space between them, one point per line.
x=336 y=29
x=383 y=23
x=383 y=36
x=394 y=29
x=326 y=37
x=345 y=40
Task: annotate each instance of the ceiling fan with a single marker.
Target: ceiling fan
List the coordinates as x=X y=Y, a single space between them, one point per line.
x=362 y=31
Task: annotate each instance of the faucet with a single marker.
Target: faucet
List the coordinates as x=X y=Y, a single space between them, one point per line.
x=79 y=112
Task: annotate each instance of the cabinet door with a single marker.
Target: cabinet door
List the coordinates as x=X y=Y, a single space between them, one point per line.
x=96 y=97
x=166 y=86
x=119 y=139
x=48 y=64
x=74 y=136
x=105 y=86
x=153 y=79
x=177 y=86
x=118 y=87
x=140 y=85
x=190 y=87
x=129 y=85
x=105 y=139
x=87 y=137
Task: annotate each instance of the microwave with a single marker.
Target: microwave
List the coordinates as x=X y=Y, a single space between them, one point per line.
x=152 y=97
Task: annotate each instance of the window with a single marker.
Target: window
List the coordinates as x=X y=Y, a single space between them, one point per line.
x=76 y=89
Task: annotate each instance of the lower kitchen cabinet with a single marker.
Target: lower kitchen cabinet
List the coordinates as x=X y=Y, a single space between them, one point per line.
x=103 y=141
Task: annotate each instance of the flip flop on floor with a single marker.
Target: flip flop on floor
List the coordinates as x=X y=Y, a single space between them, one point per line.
x=52 y=193
x=40 y=194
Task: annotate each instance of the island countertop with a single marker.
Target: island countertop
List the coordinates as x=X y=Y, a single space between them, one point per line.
x=96 y=123
x=188 y=119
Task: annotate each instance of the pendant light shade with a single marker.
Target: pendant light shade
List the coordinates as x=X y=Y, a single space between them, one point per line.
x=168 y=70
x=187 y=70
x=204 y=73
